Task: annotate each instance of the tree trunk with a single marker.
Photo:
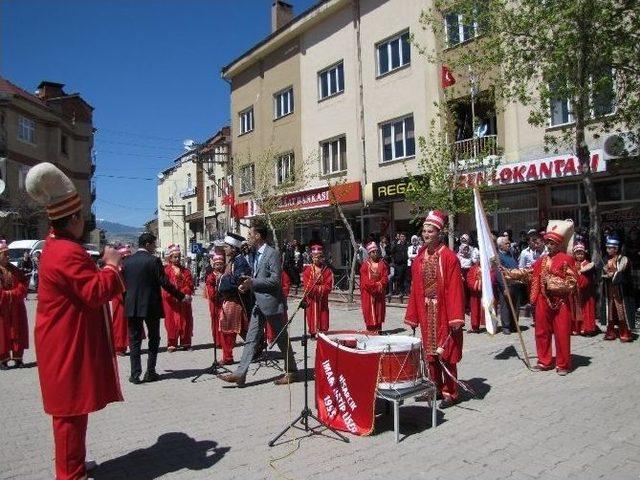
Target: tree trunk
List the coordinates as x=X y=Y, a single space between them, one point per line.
x=352 y=238
x=452 y=226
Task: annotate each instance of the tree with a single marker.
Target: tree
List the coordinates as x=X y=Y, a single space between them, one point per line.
x=544 y=53
x=275 y=175
x=437 y=185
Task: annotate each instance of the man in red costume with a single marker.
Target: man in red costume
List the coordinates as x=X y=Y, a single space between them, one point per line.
x=14 y=326
x=318 y=283
x=73 y=340
x=120 y=324
x=586 y=324
x=553 y=280
x=374 y=279
x=178 y=316
x=436 y=305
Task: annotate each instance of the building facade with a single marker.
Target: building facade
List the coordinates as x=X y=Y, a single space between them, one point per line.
x=51 y=126
x=361 y=96
x=191 y=212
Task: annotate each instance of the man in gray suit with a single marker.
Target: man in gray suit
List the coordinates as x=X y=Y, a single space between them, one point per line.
x=266 y=285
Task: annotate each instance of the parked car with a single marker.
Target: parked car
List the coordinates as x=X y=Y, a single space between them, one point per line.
x=17 y=249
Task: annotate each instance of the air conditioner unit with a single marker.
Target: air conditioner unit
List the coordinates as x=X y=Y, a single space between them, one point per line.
x=624 y=144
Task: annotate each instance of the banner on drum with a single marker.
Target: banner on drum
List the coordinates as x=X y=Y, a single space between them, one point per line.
x=345 y=383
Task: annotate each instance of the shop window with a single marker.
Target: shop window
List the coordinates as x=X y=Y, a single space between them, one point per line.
x=565 y=195
x=609 y=190
x=393 y=53
x=632 y=188
x=517 y=199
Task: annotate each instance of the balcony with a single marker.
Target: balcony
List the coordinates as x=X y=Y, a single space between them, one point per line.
x=475 y=147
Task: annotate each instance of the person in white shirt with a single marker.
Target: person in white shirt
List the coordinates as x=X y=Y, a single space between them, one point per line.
x=466 y=253
x=529 y=255
x=412 y=250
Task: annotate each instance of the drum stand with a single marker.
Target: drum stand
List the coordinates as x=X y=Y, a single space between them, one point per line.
x=306 y=413
x=216 y=368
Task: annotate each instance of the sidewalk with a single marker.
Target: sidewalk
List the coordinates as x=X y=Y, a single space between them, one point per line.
x=523 y=425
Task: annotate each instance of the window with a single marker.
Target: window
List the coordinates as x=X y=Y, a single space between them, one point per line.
x=188 y=208
x=393 y=53
x=189 y=183
x=397 y=139
x=64 y=144
x=457 y=31
x=283 y=103
x=602 y=99
x=331 y=81
x=285 y=169
x=26 y=129
x=334 y=155
x=247 y=178
x=565 y=195
x=246 y=120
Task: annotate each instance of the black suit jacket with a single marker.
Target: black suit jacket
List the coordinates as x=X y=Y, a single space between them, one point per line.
x=143 y=277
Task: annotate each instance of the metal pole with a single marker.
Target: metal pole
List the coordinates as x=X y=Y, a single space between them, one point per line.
x=184 y=226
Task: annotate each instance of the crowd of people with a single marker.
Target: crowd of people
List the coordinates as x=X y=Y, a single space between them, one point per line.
x=86 y=315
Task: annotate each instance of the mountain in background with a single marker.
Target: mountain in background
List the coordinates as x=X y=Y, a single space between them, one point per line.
x=119 y=233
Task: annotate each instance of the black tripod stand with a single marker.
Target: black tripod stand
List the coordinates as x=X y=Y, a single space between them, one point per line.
x=306 y=413
x=216 y=368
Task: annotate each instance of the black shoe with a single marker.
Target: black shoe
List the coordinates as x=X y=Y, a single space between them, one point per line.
x=151 y=376
x=135 y=380
x=506 y=331
x=18 y=364
x=4 y=366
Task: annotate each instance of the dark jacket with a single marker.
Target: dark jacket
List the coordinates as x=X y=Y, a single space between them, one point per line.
x=399 y=254
x=144 y=276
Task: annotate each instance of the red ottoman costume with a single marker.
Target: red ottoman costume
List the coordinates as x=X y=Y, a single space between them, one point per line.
x=586 y=295
x=318 y=283
x=14 y=326
x=436 y=305
x=178 y=316
x=374 y=278
x=73 y=339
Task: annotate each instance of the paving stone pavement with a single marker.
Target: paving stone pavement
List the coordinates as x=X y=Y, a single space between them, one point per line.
x=523 y=425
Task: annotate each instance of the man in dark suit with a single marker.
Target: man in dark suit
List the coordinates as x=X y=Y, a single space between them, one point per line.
x=143 y=277
x=266 y=285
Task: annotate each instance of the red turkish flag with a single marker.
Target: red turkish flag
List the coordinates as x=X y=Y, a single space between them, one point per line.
x=447 y=77
x=346 y=381
x=228 y=198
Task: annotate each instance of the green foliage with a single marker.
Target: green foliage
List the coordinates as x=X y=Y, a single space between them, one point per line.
x=535 y=51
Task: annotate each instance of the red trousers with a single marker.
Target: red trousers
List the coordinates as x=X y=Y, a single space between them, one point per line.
x=447 y=386
x=477 y=317
x=228 y=342
x=69 y=436
x=16 y=352
x=556 y=324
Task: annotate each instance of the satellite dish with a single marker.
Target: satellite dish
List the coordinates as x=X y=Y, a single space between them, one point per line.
x=188 y=144
x=622 y=144
x=160 y=176
x=2 y=186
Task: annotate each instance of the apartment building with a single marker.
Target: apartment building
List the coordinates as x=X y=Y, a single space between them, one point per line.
x=191 y=211
x=51 y=126
x=361 y=95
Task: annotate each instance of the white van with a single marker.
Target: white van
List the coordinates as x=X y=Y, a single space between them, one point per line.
x=17 y=249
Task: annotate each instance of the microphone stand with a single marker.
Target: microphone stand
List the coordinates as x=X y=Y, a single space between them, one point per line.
x=216 y=368
x=306 y=412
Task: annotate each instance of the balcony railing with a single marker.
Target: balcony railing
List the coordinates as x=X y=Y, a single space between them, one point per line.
x=475 y=147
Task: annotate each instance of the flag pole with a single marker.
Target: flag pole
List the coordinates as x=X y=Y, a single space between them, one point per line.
x=506 y=289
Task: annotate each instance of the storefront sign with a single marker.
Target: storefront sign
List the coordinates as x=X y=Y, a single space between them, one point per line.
x=389 y=190
x=318 y=197
x=561 y=166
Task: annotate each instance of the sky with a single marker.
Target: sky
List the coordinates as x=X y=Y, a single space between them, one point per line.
x=150 y=68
